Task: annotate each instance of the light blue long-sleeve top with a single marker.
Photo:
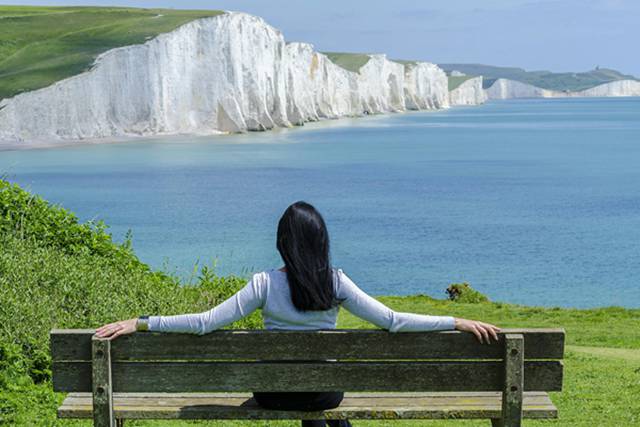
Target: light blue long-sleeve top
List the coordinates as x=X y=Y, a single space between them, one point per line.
x=269 y=291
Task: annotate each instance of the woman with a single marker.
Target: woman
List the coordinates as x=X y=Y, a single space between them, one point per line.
x=304 y=294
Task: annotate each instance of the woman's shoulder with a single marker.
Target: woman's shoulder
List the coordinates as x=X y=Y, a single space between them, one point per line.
x=266 y=276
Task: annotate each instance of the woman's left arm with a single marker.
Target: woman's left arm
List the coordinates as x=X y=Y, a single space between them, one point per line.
x=241 y=304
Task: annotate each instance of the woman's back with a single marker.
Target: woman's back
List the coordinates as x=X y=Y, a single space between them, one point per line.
x=278 y=310
x=270 y=291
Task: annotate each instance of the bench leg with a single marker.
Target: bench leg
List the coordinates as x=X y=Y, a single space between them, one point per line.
x=101 y=377
x=119 y=422
x=496 y=422
x=513 y=381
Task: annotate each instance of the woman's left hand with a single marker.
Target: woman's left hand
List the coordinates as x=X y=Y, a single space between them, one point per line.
x=114 y=330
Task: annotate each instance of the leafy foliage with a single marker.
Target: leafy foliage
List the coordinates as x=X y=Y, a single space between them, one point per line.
x=463 y=292
x=30 y=218
x=58 y=273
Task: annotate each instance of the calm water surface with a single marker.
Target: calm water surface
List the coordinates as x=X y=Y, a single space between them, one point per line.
x=533 y=202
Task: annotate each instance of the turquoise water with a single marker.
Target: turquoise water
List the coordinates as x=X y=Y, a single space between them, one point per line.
x=533 y=202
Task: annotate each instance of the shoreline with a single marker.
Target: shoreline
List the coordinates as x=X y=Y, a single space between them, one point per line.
x=323 y=123
x=6 y=145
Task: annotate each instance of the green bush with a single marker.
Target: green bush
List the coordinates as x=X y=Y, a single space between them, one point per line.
x=31 y=218
x=463 y=292
x=58 y=273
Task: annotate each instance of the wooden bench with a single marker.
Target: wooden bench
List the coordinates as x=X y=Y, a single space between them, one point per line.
x=417 y=375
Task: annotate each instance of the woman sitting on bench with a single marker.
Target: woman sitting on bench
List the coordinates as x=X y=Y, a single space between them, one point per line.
x=304 y=294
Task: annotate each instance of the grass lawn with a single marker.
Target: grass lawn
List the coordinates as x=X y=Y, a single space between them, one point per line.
x=41 y=45
x=348 y=61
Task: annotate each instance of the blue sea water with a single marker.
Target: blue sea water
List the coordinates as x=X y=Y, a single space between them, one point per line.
x=530 y=201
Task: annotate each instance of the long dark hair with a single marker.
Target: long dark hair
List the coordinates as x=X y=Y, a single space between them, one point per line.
x=303 y=243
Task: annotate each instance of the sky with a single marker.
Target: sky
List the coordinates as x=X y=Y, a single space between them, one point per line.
x=555 y=35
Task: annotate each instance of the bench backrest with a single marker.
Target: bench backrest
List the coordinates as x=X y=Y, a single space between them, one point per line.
x=363 y=360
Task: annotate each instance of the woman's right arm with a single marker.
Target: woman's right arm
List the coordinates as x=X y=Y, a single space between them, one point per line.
x=368 y=308
x=239 y=305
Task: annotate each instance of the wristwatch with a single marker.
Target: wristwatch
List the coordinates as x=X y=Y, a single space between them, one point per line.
x=142 y=324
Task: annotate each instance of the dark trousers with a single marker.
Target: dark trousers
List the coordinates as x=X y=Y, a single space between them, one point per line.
x=304 y=401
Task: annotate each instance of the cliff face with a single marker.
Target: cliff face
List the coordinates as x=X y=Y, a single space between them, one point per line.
x=470 y=92
x=507 y=89
x=617 y=88
x=229 y=73
x=425 y=87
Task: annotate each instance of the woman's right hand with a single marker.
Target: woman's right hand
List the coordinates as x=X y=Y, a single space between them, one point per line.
x=482 y=331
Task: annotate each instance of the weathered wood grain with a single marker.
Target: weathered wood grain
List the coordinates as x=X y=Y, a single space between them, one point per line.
x=354 y=406
x=513 y=381
x=318 y=376
x=305 y=345
x=102 y=383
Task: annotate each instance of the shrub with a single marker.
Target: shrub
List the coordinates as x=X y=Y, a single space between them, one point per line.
x=463 y=292
x=58 y=273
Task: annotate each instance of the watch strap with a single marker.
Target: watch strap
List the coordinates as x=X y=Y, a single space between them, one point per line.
x=142 y=324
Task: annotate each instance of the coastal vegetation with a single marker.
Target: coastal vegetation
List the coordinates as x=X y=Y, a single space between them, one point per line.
x=543 y=79
x=41 y=45
x=58 y=272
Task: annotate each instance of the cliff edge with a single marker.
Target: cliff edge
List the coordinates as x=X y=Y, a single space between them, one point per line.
x=228 y=73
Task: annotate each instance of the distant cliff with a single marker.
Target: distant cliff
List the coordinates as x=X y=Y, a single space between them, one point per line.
x=506 y=89
x=469 y=92
x=617 y=88
x=228 y=73
x=553 y=81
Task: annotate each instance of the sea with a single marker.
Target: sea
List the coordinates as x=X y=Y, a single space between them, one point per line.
x=531 y=202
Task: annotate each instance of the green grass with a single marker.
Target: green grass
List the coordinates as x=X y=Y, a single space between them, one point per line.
x=456 y=81
x=41 y=45
x=348 y=61
x=405 y=61
x=57 y=272
x=542 y=79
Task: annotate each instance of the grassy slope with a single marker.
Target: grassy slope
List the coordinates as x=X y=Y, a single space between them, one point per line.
x=72 y=269
x=41 y=45
x=348 y=61
x=456 y=81
x=543 y=79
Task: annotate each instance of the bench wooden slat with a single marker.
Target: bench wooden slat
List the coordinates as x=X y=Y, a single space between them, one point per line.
x=305 y=345
x=354 y=406
x=396 y=399
x=310 y=376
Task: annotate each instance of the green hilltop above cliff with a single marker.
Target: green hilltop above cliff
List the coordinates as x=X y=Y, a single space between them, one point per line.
x=41 y=45
x=348 y=61
x=542 y=79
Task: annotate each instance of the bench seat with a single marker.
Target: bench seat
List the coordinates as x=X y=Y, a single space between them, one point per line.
x=441 y=405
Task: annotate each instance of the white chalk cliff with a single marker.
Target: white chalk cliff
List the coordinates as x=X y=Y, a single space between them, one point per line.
x=507 y=89
x=425 y=86
x=228 y=73
x=616 y=88
x=470 y=92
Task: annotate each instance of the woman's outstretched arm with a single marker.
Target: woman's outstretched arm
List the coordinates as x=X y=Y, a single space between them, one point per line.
x=370 y=309
x=241 y=304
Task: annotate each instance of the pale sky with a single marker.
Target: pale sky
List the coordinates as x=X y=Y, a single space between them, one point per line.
x=556 y=35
